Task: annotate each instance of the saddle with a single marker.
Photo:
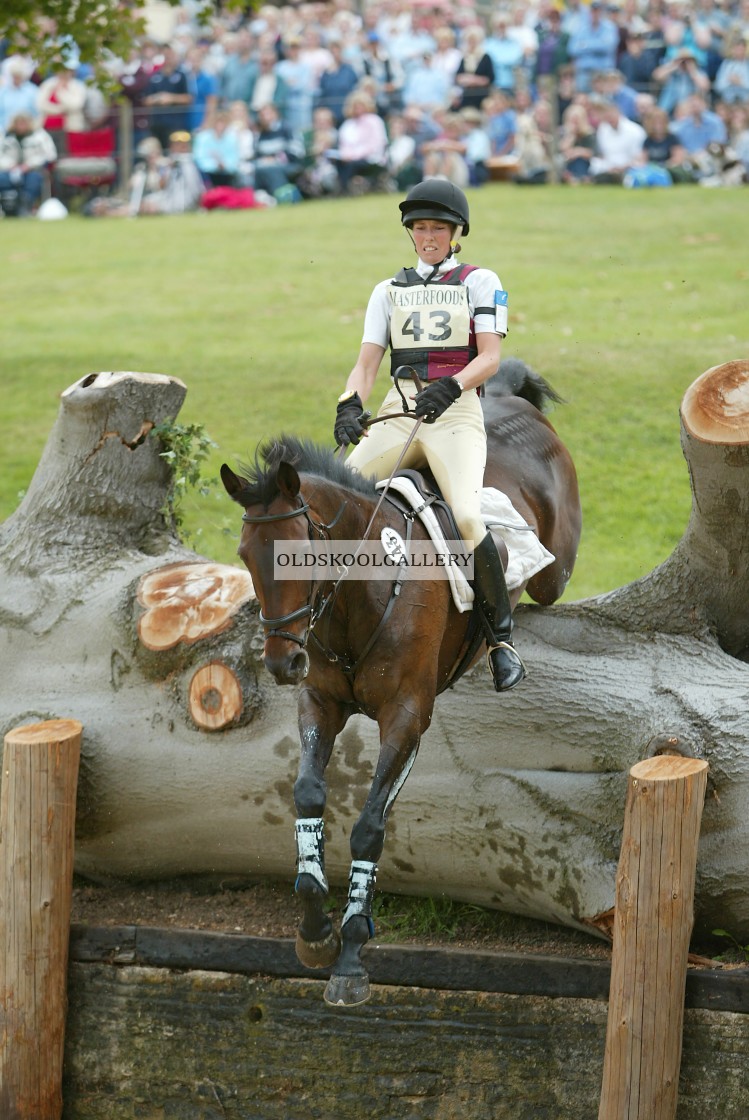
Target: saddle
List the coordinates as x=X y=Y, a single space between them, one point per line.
x=415 y=492
x=430 y=496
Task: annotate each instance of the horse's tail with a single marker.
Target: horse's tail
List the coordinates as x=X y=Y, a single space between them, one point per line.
x=516 y=379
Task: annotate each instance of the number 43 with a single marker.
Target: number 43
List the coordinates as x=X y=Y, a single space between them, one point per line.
x=439 y=326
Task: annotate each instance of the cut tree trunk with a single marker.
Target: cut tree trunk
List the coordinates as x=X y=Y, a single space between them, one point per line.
x=190 y=749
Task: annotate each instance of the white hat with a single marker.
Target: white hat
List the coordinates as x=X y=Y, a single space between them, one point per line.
x=51 y=210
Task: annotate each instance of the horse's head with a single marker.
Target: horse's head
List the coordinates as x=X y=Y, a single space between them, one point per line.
x=275 y=512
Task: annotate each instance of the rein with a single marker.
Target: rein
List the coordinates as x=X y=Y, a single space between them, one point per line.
x=369 y=421
x=323 y=530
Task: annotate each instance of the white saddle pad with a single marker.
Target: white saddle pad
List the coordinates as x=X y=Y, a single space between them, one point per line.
x=526 y=554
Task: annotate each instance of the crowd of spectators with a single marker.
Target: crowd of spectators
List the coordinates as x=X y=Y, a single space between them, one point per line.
x=322 y=98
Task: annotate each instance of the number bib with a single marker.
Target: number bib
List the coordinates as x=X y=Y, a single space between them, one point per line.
x=429 y=317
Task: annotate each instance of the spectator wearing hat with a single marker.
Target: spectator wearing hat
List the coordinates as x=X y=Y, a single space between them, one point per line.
x=18 y=95
x=159 y=184
x=168 y=98
x=26 y=151
x=594 y=45
x=679 y=77
x=182 y=185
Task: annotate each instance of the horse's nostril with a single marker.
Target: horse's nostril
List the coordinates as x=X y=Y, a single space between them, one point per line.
x=300 y=664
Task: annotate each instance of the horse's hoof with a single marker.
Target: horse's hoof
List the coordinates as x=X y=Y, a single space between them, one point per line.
x=347 y=991
x=319 y=954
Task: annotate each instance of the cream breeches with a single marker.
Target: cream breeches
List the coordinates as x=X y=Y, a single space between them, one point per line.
x=454 y=448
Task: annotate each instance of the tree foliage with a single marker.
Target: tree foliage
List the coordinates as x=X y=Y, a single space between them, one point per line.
x=51 y=30
x=91 y=30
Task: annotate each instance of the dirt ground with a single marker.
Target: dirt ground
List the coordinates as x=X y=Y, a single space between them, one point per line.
x=269 y=909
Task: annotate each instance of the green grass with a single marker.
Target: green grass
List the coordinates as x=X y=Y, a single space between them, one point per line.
x=619 y=298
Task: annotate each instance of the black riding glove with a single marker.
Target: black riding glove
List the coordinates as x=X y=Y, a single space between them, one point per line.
x=432 y=401
x=348 y=424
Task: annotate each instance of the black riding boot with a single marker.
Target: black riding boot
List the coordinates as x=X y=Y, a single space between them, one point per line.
x=494 y=602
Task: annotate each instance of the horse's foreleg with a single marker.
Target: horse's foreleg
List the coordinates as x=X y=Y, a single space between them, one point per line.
x=317 y=943
x=349 y=984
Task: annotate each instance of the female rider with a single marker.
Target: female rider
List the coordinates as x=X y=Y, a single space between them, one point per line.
x=446 y=320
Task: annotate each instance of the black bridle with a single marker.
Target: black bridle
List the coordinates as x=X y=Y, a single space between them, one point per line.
x=323 y=532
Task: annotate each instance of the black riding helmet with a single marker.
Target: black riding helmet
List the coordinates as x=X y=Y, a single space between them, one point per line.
x=437 y=199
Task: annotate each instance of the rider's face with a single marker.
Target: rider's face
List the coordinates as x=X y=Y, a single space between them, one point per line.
x=432 y=240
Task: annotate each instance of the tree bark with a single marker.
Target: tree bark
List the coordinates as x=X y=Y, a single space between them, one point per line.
x=514 y=802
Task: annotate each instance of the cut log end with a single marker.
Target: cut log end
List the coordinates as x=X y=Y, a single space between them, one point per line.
x=49 y=731
x=107 y=379
x=715 y=408
x=187 y=602
x=215 y=697
x=666 y=768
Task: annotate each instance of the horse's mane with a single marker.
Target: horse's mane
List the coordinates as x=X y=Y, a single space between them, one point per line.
x=306 y=457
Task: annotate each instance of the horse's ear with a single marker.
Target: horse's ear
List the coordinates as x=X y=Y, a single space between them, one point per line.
x=233 y=484
x=288 y=481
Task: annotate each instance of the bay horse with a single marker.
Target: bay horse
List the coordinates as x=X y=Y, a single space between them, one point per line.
x=358 y=646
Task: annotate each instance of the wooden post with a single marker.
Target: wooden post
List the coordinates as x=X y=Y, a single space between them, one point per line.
x=652 y=927
x=37 y=827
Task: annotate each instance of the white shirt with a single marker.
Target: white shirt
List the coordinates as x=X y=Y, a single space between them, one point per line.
x=617 y=147
x=482 y=285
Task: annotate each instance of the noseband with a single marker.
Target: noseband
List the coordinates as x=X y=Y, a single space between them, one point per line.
x=322 y=531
